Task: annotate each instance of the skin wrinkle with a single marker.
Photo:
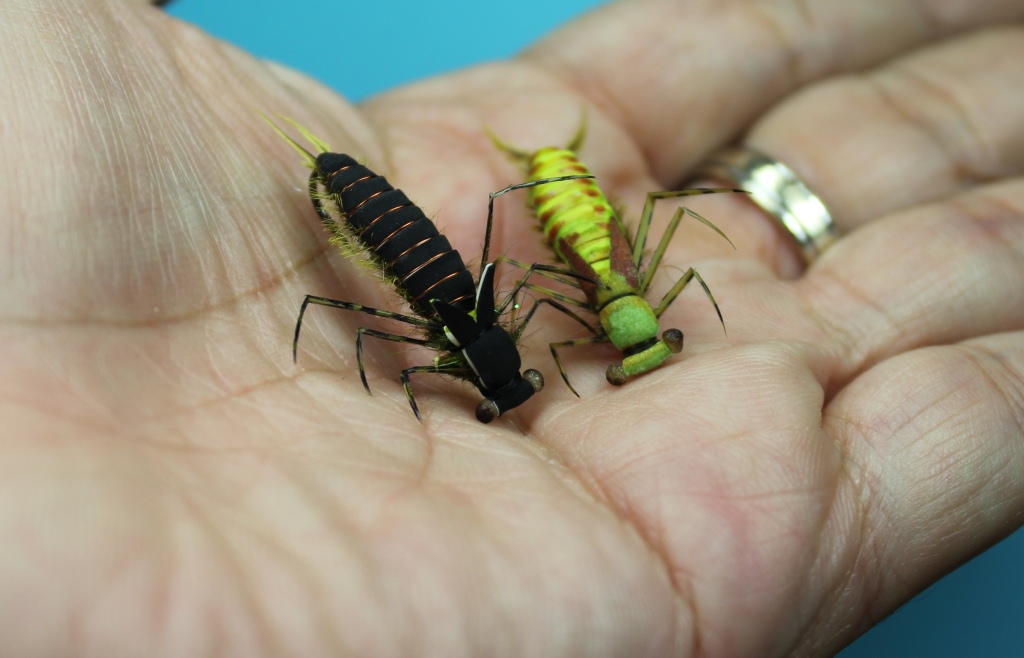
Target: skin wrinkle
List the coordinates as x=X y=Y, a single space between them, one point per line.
x=216 y=531
x=876 y=523
x=975 y=134
x=682 y=590
x=790 y=51
x=222 y=397
x=651 y=536
x=985 y=361
x=276 y=544
x=241 y=393
x=285 y=275
x=253 y=246
x=937 y=403
x=1001 y=473
x=59 y=413
x=232 y=560
x=856 y=359
x=891 y=92
x=97 y=416
x=422 y=476
x=107 y=155
x=404 y=616
x=574 y=636
x=995 y=226
x=834 y=595
x=78 y=614
x=109 y=581
x=863 y=483
x=190 y=229
x=876 y=551
x=121 y=112
x=215 y=270
x=680 y=580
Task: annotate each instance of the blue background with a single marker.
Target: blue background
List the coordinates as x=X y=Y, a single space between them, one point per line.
x=361 y=48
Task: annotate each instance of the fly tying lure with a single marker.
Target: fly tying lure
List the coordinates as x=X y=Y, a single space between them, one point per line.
x=456 y=317
x=585 y=232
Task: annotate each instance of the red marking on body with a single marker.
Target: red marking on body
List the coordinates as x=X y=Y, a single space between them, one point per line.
x=621 y=256
x=553 y=234
x=599 y=209
x=576 y=262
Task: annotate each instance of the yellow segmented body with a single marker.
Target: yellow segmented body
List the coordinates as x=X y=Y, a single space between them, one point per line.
x=574 y=211
x=583 y=229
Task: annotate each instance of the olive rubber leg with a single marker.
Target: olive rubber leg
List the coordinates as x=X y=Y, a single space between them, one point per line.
x=671 y=295
x=522 y=326
x=517 y=186
x=659 y=252
x=557 y=295
x=395 y=338
x=547 y=291
x=541 y=268
x=434 y=369
x=349 y=306
x=601 y=338
x=640 y=241
x=548 y=273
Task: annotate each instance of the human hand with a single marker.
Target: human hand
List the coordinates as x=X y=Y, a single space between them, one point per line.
x=174 y=484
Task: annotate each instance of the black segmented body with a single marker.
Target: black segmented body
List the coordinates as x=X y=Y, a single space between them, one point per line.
x=456 y=316
x=406 y=243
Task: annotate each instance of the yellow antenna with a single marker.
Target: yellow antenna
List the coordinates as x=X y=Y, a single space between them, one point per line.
x=306 y=155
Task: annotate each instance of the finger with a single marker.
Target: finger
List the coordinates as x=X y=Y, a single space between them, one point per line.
x=923 y=128
x=934 y=275
x=934 y=468
x=717 y=67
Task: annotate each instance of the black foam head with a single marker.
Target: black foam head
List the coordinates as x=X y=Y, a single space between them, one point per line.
x=513 y=395
x=460 y=324
x=485 y=313
x=494 y=357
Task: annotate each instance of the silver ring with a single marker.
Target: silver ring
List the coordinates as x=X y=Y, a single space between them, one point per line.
x=780 y=193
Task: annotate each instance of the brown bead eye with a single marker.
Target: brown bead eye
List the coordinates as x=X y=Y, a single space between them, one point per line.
x=673 y=340
x=615 y=375
x=486 y=411
x=535 y=378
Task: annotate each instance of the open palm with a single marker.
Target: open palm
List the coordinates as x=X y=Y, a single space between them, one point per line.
x=174 y=485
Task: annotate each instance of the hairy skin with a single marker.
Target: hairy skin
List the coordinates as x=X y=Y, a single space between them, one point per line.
x=172 y=485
